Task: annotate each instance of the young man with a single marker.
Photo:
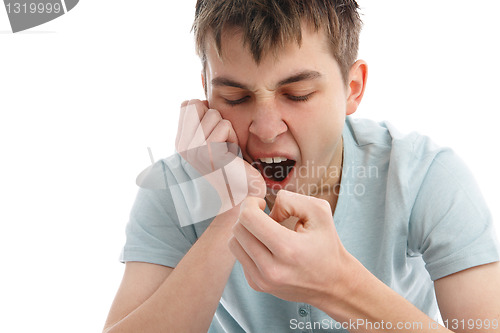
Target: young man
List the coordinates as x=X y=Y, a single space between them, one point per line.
x=365 y=229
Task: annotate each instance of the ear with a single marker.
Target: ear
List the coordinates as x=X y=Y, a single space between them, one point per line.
x=358 y=75
x=203 y=83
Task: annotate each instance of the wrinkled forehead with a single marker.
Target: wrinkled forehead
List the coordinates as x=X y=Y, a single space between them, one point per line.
x=233 y=42
x=236 y=63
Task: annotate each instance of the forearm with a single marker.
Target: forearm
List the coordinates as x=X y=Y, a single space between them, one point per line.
x=186 y=301
x=368 y=305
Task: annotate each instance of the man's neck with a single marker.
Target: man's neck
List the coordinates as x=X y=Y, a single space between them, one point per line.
x=329 y=184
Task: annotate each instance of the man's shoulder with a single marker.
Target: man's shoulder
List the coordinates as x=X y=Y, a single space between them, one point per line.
x=383 y=140
x=399 y=158
x=367 y=132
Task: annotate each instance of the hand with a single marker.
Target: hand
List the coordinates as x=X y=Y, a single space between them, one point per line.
x=209 y=143
x=301 y=265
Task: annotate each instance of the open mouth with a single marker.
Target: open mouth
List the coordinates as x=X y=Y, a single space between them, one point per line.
x=275 y=169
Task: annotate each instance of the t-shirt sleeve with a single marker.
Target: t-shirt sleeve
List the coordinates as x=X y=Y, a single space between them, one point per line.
x=450 y=224
x=153 y=235
x=173 y=207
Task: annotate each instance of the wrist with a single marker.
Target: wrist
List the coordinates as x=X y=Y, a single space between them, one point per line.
x=226 y=219
x=362 y=298
x=341 y=292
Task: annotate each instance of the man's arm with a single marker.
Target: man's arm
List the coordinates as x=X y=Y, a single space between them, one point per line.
x=185 y=299
x=140 y=280
x=154 y=298
x=310 y=265
x=469 y=300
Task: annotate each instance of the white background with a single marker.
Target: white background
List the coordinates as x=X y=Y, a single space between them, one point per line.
x=83 y=96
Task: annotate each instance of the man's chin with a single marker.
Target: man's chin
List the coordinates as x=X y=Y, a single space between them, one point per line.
x=273 y=190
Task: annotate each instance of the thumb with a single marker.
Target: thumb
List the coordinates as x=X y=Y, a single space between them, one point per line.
x=255 y=182
x=308 y=210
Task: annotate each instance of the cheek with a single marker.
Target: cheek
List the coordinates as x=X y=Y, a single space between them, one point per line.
x=321 y=128
x=332 y=115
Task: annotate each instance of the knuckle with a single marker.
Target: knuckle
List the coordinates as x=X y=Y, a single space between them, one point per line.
x=323 y=206
x=226 y=124
x=236 y=228
x=254 y=285
x=213 y=114
x=196 y=105
x=259 y=201
x=272 y=276
x=279 y=197
x=287 y=253
x=188 y=105
x=245 y=210
x=249 y=206
x=193 y=101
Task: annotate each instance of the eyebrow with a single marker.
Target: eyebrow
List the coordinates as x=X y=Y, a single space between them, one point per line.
x=301 y=76
x=223 y=81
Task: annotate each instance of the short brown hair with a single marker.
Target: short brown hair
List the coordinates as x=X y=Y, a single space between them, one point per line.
x=268 y=25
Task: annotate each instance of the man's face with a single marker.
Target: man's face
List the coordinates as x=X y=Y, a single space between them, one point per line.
x=291 y=106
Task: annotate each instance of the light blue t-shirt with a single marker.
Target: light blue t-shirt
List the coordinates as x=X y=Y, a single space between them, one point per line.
x=408 y=210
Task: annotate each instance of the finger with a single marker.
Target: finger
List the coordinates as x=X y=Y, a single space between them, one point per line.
x=223 y=132
x=241 y=183
x=305 y=208
x=195 y=110
x=220 y=140
x=185 y=103
x=216 y=129
x=255 y=181
x=209 y=121
x=189 y=131
x=181 y=120
x=249 y=267
x=220 y=137
x=179 y=123
x=207 y=124
x=264 y=228
x=257 y=251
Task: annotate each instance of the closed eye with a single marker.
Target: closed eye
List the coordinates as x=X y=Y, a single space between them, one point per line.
x=236 y=102
x=303 y=98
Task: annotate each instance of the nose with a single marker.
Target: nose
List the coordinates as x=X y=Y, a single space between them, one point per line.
x=267 y=123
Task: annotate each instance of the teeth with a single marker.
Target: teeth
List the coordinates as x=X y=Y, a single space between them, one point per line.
x=279 y=159
x=272 y=159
